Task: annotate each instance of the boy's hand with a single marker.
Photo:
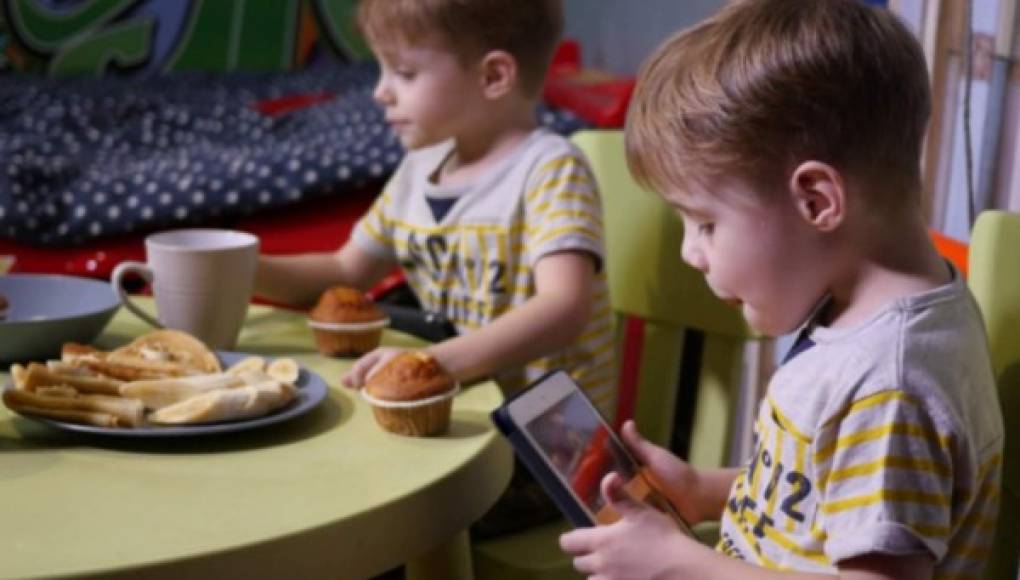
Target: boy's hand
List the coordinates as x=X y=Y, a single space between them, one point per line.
x=673 y=477
x=368 y=364
x=644 y=543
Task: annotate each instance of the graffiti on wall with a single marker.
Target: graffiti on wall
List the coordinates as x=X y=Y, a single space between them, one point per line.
x=63 y=38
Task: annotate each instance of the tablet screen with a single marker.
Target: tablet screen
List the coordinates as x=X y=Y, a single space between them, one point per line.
x=558 y=433
x=578 y=445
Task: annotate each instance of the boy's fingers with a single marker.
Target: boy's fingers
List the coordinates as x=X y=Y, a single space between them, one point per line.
x=578 y=541
x=377 y=364
x=355 y=377
x=585 y=564
x=614 y=495
x=635 y=442
x=374 y=361
x=348 y=380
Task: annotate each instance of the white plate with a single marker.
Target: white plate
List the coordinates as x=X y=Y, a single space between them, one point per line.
x=312 y=390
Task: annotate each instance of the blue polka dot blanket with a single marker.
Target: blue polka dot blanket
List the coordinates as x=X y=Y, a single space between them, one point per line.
x=82 y=159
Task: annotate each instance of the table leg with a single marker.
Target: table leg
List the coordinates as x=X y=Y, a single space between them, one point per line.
x=450 y=560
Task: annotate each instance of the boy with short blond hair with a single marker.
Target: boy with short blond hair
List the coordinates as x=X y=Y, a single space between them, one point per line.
x=496 y=223
x=787 y=134
x=529 y=31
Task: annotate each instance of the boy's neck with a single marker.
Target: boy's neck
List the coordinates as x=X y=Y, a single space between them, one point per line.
x=485 y=143
x=890 y=266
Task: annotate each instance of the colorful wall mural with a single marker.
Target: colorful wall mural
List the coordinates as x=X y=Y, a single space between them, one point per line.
x=61 y=38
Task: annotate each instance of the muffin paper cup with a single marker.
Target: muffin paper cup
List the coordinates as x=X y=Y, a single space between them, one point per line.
x=410 y=404
x=350 y=326
x=347 y=338
x=418 y=418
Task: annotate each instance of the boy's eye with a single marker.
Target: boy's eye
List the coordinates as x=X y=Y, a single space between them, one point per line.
x=405 y=74
x=706 y=228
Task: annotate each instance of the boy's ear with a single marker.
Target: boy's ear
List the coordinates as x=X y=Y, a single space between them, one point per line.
x=499 y=73
x=819 y=193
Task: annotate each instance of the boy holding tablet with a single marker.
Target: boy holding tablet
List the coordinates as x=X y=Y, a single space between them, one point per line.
x=787 y=134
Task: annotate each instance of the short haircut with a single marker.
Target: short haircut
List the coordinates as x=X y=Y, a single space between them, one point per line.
x=767 y=84
x=527 y=29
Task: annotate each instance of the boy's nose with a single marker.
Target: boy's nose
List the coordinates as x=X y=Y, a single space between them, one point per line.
x=381 y=93
x=691 y=254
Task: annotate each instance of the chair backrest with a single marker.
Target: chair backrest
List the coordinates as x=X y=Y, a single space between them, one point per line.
x=994 y=279
x=672 y=329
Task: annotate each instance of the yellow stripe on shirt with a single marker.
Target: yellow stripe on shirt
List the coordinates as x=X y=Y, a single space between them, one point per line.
x=881 y=464
x=869 y=402
x=786 y=423
x=572 y=229
x=886 y=495
x=558 y=183
x=587 y=198
x=371 y=231
x=876 y=433
x=560 y=163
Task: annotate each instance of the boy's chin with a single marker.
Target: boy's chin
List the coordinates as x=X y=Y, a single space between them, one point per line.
x=413 y=142
x=765 y=326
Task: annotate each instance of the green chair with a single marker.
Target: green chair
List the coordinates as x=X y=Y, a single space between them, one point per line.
x=680 y=348
x=995 y=281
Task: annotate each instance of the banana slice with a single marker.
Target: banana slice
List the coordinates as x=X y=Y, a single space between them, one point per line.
x=19 y=374
x=249 y=364
x=284 y=370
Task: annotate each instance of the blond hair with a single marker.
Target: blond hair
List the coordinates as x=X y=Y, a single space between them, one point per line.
x=766 y=84
x=526 y=29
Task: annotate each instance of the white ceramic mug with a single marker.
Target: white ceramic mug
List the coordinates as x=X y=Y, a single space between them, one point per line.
x=202 y=280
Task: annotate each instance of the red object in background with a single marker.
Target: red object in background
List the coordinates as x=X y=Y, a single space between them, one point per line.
x=951 y=249
x=317 y=225
x=630 y=369
x=392 y=281
x=284 y=105
x=96 y=261
x=566 y=59
x=597 y=97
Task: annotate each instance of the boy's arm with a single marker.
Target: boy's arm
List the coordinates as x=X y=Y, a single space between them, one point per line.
x=714 y=489
x=546 y=322
x=300 y=279
x=645 y=543
x=718 y=566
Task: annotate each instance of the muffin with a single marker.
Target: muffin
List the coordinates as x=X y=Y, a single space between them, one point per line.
x=412 y=395
x=345 y=322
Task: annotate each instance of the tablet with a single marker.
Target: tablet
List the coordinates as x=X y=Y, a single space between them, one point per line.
x=561 y=438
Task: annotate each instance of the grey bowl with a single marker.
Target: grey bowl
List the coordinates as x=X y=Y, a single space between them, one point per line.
x=45 y=311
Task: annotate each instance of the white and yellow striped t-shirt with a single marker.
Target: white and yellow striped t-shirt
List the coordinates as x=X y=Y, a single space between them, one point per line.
x=477 y=261
x=884 y=438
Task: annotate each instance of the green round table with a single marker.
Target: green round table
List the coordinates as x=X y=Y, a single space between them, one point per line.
x=325 y=495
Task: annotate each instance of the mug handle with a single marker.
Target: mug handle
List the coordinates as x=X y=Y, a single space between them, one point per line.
x=116 y=279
